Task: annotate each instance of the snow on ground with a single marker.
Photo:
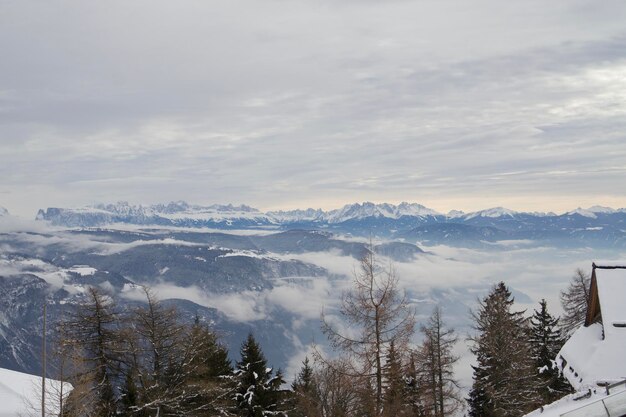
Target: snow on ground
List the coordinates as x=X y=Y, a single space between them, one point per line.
x=20 y=394
x=246 y=253
x=83 y=270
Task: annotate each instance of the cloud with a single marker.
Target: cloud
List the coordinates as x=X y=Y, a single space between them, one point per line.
x=241 y=307
x=313 y=102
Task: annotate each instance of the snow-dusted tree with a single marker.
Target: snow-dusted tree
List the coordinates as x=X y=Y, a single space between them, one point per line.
x=413 y=390
x=94 y=340
x=437 y=359
x=174 y=368
x=208 y=384
x=505 y=382
x=575 y=300
x=258 y=390
x=546 y=341
x=380 y=313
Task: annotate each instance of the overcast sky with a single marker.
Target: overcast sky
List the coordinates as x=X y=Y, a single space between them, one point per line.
x=284 y=104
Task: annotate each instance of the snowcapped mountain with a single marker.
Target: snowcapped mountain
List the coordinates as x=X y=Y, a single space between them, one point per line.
x=455 y=213
x=297 y=216
x=583 y=212
x=177 y=213
x=601 y=209
x=360 y=211
x=183 y=214
x=593 y=226
x=356 y=211
x=492 y=212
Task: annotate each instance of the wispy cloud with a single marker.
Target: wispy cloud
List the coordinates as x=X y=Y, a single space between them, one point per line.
x=313 y=103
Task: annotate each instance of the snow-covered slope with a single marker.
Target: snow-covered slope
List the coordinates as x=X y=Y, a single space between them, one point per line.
x=173 y=214
x=583 y=212
x=593 y=227
x=297 y=216
x=360 y=211
x=20 y=394
x=491 y=212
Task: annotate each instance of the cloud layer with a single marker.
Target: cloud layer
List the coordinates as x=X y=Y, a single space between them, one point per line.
x=285 y=104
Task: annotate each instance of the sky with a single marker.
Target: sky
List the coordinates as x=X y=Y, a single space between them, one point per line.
x=317 y=103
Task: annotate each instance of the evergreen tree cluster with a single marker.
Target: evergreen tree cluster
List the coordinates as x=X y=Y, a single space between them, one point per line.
x=148 y=362
x=515 y=371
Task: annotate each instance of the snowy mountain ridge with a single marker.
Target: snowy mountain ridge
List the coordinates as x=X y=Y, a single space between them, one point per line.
x=596 y=225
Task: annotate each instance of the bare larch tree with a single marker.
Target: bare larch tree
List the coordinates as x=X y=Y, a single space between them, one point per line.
x=380 y=314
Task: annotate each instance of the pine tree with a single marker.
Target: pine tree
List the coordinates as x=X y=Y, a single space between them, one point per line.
x=412 y=390
x=257 y=392
x=505 y=377
x=546 y=341
x=393 y=399
x=210 y=375
x=480 y=404
x=212 y=362
x=305 y=402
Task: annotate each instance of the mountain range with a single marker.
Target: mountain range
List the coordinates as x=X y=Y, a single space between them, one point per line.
x=595 y=226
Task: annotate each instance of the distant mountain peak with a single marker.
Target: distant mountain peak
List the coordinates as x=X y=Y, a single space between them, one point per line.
x=366 y=214
x=455 y=213
x=492 y=212
x=369 y=209
x=583 y=212
x=601 y=209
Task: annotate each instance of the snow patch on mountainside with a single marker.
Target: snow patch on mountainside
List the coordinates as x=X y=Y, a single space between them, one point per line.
x=295 y=216
x=83 y=270
x=367 y=209
x=583 y=212
x=492 y=212
x=183 y=215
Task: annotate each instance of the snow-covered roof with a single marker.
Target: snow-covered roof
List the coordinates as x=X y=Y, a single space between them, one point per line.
x=595 y=352
x=611 y=283
x=589 y=404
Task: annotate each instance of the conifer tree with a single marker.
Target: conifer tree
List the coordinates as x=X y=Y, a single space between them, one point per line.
x=393 y=383
x=504 y=377
x=257 y=393
x=304 y=390
x=413 y=392
x=546 y=341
